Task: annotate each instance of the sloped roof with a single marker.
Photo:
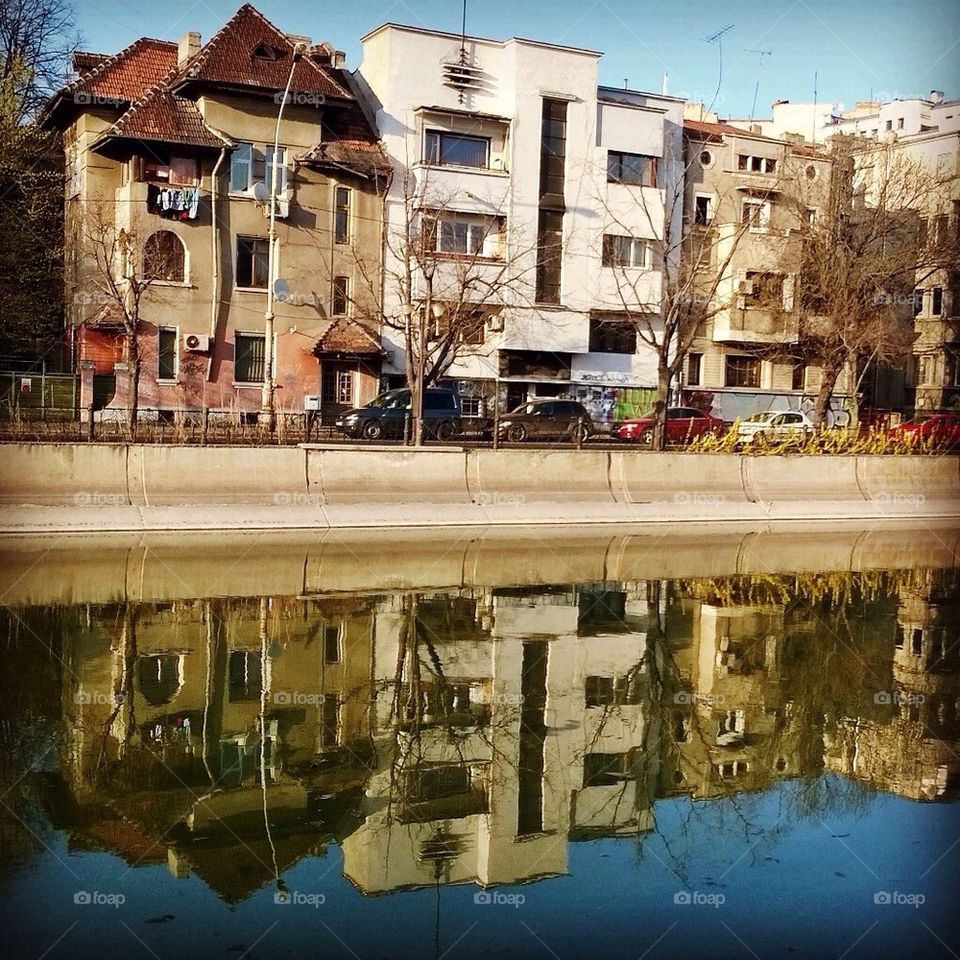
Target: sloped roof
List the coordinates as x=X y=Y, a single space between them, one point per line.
x=84 y=61
x=228 y=58
x=729 y=130
x=129 y=74
x=348 y=336
x=161 y=115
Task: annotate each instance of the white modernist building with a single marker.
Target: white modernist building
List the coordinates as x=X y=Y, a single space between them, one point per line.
x=531 y=171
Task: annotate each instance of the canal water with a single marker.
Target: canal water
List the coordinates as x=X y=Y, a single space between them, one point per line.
x=724 y=762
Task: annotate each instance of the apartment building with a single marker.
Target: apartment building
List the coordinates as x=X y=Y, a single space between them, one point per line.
x=530 y=186
x=746 y=198
x=170 y=156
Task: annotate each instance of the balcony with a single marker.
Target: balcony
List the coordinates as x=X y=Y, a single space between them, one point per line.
x=754 y=325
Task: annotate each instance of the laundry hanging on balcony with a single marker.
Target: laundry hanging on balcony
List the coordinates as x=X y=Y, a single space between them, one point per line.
x=173 y=204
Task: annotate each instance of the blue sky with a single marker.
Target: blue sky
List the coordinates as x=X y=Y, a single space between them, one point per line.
x=890 y=48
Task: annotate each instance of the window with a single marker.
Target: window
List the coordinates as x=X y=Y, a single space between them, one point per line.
x=755 y=214
x=241 y=167
x=917 y=302
x=455 y=149
x=331 y=643
x=694 y=369
x=612 y=691
x=635 y=169
x=612 y=336
x=167 y=353
x=553 y=150
x=624 y=251
x=889 y=124
x=752 y=164
x=244 y=675
x=762 y=289
x=341 y=215
x=163 y=257
x=742 y=371
x=899 y=123
x=337 y=386
x=799 y=372
x=925 y=370
x=330 y=722
x=248 y=350
x=810 y=216
x=252 y=263
x=340 y=303
x=549 y=255
x=463 y=234
x=281 y=169
x=941 y=229
x=936 y=302
x=706 y=158
x=702 y=209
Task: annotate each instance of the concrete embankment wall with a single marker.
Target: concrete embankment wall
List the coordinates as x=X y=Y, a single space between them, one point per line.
x=79 y=487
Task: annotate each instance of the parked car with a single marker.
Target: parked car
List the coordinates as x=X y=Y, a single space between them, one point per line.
x=683 y=424
x=774 y=425
x=547 y=420
x=935 y=429
x=386 y=415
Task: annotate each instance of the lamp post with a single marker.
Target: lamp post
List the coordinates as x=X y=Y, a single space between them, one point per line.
x=267 y=391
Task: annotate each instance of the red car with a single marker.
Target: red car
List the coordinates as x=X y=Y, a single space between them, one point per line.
x=936 y=429
x=683 y=424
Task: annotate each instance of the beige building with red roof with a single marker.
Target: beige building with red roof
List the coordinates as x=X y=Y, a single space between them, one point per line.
x=169 y=153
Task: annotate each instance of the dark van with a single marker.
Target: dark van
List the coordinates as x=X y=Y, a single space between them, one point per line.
x=385 y=416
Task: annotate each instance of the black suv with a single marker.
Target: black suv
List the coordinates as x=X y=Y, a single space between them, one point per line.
x=547 y=420
x=387 y=415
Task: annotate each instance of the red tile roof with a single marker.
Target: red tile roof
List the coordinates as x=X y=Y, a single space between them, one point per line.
x=228 y=58
x=84 y=61
x=348 y=336
x=162 y=116
x=129 y=74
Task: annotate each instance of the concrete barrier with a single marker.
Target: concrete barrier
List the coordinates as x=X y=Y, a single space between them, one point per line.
x=49 y=488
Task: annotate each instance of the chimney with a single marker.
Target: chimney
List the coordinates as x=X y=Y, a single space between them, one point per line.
x=187 y=46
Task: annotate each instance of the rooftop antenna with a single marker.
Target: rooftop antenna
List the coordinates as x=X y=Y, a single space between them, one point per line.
x=756 y=88
x=813 y=136
x=663 y=83
x=461 y=74
x=717 y=38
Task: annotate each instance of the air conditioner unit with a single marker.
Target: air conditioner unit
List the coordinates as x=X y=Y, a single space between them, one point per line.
x=283 y=209
x=311 y=402
x=495 y=323
x=747 y=288
x=196 y=343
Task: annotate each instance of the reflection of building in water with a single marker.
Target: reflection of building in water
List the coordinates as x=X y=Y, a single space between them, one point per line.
x=909 y=748
x=519 y=721
x=165 y=742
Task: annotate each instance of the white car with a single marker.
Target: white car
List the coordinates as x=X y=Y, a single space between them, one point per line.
x=774 y=425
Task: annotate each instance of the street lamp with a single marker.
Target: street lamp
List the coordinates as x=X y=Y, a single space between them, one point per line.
x=267 y=392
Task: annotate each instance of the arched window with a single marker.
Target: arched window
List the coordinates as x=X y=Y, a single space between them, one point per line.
x=164 y=257
x=159 y=677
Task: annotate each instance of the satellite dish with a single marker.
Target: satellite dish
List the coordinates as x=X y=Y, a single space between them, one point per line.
x=260 y=192
x=281 y=289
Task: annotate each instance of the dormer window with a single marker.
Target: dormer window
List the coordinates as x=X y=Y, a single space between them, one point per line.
x=263 y=51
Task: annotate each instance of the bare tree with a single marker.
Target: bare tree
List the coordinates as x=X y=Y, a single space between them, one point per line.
x=862 y=257
x=119 y=266
x=691 y=262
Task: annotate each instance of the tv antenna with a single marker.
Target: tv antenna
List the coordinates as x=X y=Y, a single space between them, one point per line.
x=756 y=88
x=717 y=38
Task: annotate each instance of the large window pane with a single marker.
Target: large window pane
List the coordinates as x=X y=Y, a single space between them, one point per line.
x=248 y=357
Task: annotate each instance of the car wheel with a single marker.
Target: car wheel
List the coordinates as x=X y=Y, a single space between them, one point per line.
x=517 y=433
x=580 y=433
x=446 y=430
x=646 y=436
x=373 y=430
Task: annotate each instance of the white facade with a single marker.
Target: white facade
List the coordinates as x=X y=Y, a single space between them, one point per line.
x=406 y=72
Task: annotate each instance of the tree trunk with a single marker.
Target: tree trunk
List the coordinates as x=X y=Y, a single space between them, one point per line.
x=828 y=381
x=853 y=427
x=133 y=373
x=660 y=407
